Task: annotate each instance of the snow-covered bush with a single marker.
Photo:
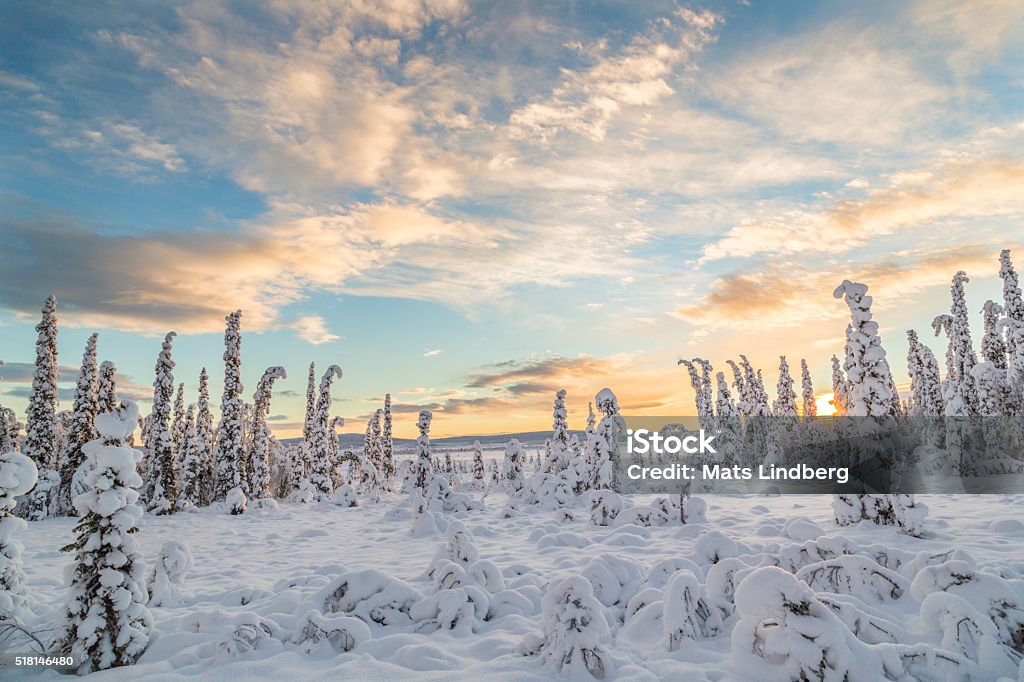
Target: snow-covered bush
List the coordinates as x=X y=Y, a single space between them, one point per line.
x=168 y=574
x=957 y=625
x=711 y=546
x=902 y=511
x=686 y=613
x=345 y=496
x=785 y=633
x=574 y=628
x=855 y=575
x=615 y=579
x=236 y=501
x=332 y=632
x=458 y=608
x=371 y=596
x=17 y=476
x=107 y=622
x=605 y=505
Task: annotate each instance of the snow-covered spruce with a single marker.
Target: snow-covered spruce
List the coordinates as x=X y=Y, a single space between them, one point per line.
x=168 y=574
x=810 y=407
x=601 y=446
x=512 y=467
x=107 y=623
x=372 y=440
x=41 y=437
x=323 y=434
x=387 y=446
x=478 y=464
x=573 y=630
x=423 y=467
x=17 y=476
x=178 y=427
x=229 y=450
x=106 y=388
x=81 y=429
x=1013 y=302
x=161 y=487
x=259 y=456
x=925 y=387
x=785 y=401
x=204 y=438
x=192 y=465
x=869 y=384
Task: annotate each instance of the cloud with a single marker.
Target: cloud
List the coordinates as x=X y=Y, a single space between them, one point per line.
x=836 y=83
x=967 y=34
x=950 y=189
x=313 y=329
x=433 y=352
x=776 y=295
x=587 y=101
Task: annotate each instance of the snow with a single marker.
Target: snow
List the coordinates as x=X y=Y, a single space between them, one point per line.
x=323 y=591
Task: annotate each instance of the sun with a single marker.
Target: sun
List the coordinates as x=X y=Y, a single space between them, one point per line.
x=825 y=407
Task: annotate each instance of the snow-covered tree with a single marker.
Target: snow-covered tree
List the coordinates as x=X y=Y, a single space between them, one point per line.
x=323 y=434
x=372 y=441
x=193 y=466
x=162 y=487
x=41 y=436
x=558 y=454
x=478 y=462
x=204 y=438
x=387 y=446
x=925 y=384
x=8 y=430
x=107 y=623
x=744 y=404
x=423 y=465
x=870 y=395
x=867 y=372
x=785 y=402
x=229 y=452
x=17 y=476
x=840 y=398
x=512 y=467
x=605 y=438
x=963 y=351
x=574 y=628
x=81 y=429
x=309 y=424
x=106 y=391
x=1013 y=302
x=178 y=425
x=701 y=386
x=807 y=391
x=259 y=455
x=993 y=346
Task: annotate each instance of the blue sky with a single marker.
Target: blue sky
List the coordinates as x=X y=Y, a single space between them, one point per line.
x=472 y=204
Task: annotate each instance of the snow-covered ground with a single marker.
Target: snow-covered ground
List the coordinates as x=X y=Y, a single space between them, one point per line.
x=255 y=577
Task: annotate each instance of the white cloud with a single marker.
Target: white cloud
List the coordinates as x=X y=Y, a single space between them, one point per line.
x=313 y=329
x=433 y=352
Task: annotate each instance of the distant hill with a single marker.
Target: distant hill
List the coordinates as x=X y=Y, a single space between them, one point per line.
x=354 y=441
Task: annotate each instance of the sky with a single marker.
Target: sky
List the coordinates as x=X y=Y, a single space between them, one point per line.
x=470 y=205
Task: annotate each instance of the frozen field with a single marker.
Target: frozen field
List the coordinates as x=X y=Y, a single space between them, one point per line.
x=256 y=576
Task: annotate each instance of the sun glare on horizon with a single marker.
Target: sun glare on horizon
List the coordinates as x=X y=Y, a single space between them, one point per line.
x=824 y=404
